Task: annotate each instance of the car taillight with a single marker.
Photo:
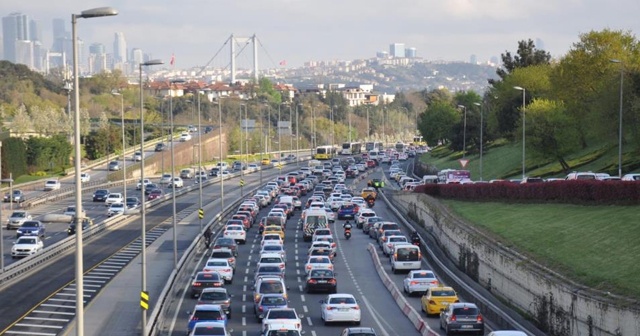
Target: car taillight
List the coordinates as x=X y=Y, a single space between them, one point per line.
x=432 y=302
x=479 y=319
x=260 y=309
x=389 y=245
x=282 y=266
x=308 y=267
x=453 y=318
x=332 y=281
x=220 y=318
x=311 y=281
x=414 y=282
x=231 y=260
x=434 y=282
x=196 y=284
x=194 y=318
x=330 y=267
x=226 y=270
x=329 y=307
x=217 y=284
x=356 y=308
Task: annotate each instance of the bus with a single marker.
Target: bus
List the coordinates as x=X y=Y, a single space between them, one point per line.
x=417 y=141
x=369 y=146
x=447 y=176
x=379 y=146
x=325 y=153
x=351 y=148
x=399 y=147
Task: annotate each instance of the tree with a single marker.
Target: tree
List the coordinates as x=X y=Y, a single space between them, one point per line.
x=437 y=121
x=21 y=121
x=527 y=55
x=550 y=131
x=266 y=91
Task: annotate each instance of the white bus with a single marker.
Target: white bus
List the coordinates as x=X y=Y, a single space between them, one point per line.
x=351 y=148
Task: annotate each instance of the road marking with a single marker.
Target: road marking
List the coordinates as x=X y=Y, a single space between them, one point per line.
x=244 y=309
x=309 y=321
x=302 y=297
x=244 y=321
x=244 y=297
x=305 y=309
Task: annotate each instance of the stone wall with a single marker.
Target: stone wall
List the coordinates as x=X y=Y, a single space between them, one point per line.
x=558 y=305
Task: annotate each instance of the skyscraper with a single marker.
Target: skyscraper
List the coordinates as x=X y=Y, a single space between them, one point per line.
x=119 y=48
x=15 y=27
x=396 y=50
x=412 y=52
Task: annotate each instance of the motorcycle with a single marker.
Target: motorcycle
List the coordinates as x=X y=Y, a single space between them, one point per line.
x=347 y=231
x=371 y=202
x=415 y=241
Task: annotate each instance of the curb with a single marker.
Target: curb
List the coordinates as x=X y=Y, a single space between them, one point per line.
x=414 y=316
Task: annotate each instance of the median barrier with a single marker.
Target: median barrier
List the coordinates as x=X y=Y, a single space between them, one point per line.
x=413 y=315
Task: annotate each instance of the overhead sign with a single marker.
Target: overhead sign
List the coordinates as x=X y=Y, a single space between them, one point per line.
x=463 y=162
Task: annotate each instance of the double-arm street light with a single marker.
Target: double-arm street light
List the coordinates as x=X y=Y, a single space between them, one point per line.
x=464 y=131
x=174 y=223
x=200 y=170
x=524 y=124
x=143 y=211
x=620 y=117
x=87 y=14
x=481 y=130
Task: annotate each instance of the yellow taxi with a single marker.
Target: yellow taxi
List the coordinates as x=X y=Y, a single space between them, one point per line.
x=368 y=191
x=265 y=161
x=436 y=299
x=274 y=229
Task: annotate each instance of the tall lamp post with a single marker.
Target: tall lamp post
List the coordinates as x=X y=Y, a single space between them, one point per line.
x=620 y=117
x=291 y=132
x=87 y=14
x=481 y=130
x=298 y=132
x=174 y=223
x=242 y=148
x=368 y=128
x=68 y=88
x=220 y=152
x=200 y=170
x=464 y=131
x=143 y=210
x=524 y=123
x=124 y=147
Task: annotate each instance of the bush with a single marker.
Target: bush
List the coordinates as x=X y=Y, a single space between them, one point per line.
x=575 y=192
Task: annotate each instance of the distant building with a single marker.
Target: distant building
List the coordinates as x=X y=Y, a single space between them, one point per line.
x=495 y=60
x=97 y=58
x=412 y=53
x=473 y=59
x=15 y=27
x=382 y=54
x=119 y=48
x=396 y=50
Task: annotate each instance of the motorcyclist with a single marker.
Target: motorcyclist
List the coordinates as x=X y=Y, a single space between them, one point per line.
x=347 y=226
x=415 y=237
x=207 y=237
x=369 y=183
x=370 y=199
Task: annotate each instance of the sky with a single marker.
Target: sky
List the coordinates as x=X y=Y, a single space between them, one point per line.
x=298 y=31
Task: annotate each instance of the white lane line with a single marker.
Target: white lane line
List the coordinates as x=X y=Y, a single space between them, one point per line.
x=309 y=321
x=305 y=309
x=302 y=298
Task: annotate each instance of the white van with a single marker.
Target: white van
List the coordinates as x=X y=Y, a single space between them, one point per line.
x=223 y=166
x=406 y=257
x=429 y=179
x=313 y=219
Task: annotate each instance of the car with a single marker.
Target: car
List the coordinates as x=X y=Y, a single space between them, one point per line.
x=100 y=195
x=192 y=129
x=165 y=179
x=204 y=280
x=115 y=209
x=340 y=308
x=210 y=329
x=50 y=185
x=274 y=248
x=26 y=246
x=17 y=196
x=114 y=166
x=220 y=265
x=631 y=177
x=217 y=296
x=321 y=280
x=282 y=315
x=363 y=215
x=113 y=198
x=225 y=253
x=253 y=167
x=208 y=129
x=154 y=194
x=265 y=161
x=86 y=223
x=227 y=243
x=206 y=313
x=419 y=281
x=369 y=191
x=267 y=302
x=186 y=173
x=200 y=177
x=269 y=285
x=160 y=147
x=132 y=202
x=347 y=211
x=274 y=259
x=274 y=229
x=389 y=245
x=268 y=270
x=318 y=262
x=437 y=299
x=85 y=177
x=184 y=137
x=31 y=228
x=358 y=332
x=137 y=156
x=17 y=218
x=368 y=224
x=236 y=232
x=176 y=182
x=462 y=317
x=144 y=182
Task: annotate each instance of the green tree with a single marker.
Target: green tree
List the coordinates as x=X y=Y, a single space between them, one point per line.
x=550 y=132
x=437 y=121
x=266 y=92
x=21 y=121
x=14 y=157
x=527 y=55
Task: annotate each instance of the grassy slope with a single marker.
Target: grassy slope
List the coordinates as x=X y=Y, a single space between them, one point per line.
x=595 y=245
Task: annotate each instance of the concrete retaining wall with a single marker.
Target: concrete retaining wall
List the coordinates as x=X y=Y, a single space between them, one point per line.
x=558 y=305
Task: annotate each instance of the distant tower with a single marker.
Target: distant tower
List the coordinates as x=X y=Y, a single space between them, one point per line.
x=473 y=59
x=412 y=53
x=97 y=58
x=119 y=48
x=396 y=50
x=15 y=27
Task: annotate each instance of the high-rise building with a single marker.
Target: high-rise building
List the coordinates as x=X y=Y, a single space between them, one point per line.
x=136 y=56
x=473 y=59
x=411 y=52
x=15 y=27
x=97 y=48
x=382 y=54
x=396 y=50
x=120 y=48
x=59 y=28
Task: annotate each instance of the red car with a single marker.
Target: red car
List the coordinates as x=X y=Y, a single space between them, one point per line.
x=371 y=164
x=155 y=193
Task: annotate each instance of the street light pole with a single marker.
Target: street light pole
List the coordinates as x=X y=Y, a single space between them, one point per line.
x=298 y=132
x=349 y=111
x=2 y=232
x=124 y=147
x=220 y=148
x=87 y=14
x=200 y=171
x=464 y=131
x=481 y=130
x=241 y=148
x=620 y=118
x=368 y=128
x=174 y=223
x=279 y=137
x=524 y=120
x=291 y=132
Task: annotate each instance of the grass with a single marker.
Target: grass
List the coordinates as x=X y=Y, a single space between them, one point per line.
x=593 y=245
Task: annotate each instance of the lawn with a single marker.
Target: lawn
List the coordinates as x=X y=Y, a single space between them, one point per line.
x=594 y=245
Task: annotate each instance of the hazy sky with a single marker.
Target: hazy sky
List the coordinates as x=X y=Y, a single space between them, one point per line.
x=303 y=30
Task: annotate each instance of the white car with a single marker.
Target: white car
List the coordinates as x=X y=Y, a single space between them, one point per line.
x=137 y=156
x=222 y=266
x=253 y=167
x=340 y=308
x=280 y=316
x=335 y=202
x=115 y=209
x=235 y=232
x=363 y=215
x=326 y=239
x=85 y=177
x=26 y=246
x=165 y=179
x=51 y=185
x=419 y=281
x=331 y=215
x=140 y=183
x=388 y=247
x=361 y=167
x=321 y=232
x=177 y=182
x=185 y=137
x=319 y=244
x=318 y=262
x=113 y=198
x=271 y=259
x=274 y=248
x=271 y=238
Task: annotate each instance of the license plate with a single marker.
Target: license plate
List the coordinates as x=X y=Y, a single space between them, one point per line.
x=344 y=309
x=406 y=264
x=445 y=304
x=466 y=326
x=322 y=281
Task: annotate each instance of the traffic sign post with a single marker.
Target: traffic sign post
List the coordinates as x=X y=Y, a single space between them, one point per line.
x=201 y=213
x=463 y=162
x=144 y=300
x=242 y=187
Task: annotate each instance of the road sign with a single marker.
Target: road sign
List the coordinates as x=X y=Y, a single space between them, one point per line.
x=144 y=300
x=201 y=213
x=463 y=162
x=241 y=182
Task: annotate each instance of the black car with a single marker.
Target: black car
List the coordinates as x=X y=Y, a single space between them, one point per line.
x=150 y=187
x=101 y=195
x=321 y=280
x=208 y=129
x=132 y=202
x=160 y=147
x=86 y=223
x=204 y=280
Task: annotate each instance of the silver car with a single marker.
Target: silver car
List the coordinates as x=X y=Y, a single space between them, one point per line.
x=17 y=218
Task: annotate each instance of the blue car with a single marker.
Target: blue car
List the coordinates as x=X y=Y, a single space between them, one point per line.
x=206 y=313
x=269 y=301
x=347 y=210
x=31 y=228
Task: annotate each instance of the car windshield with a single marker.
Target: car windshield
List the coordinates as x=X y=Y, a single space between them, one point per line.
x=26 y=241
x=271 y=287
x=321 y=274
x=443 y=293
x=18 y=215
x=270 y=260
x=425 y=275
x=319 y=261
x=221 y=254
x=213 y=296
x=274 y=300
x=208 y=277
x=217 y=263
x=209 y=331
x=342 y=300
x=465 y=311
x=272 y=248
x=207 y=315
x=269 y=269
x=282 y=314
